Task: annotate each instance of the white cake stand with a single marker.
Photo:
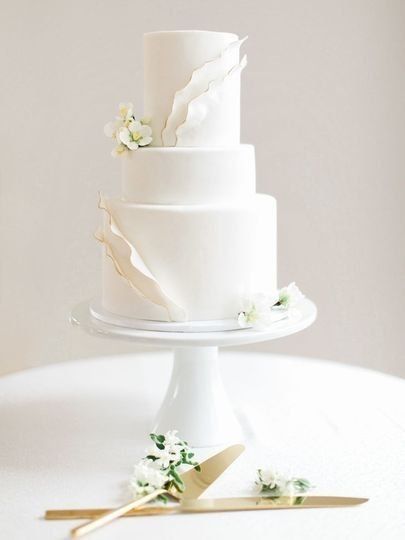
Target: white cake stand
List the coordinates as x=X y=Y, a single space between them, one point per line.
x=196 y=403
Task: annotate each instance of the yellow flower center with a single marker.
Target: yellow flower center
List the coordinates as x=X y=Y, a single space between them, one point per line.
x=136 y=135
x=123 y=111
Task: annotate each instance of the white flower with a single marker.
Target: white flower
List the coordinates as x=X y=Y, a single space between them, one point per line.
x=126 y=112
x=160 y=467
x=165 y=457
x=274 y=484
x=118 y=150
x=171 y=453
x=127 y=131
x=147 y=477
x=136 y=134
x=256 y=312
x=111 y=129
x=125 y=137
x=141 y=133
x=261 y=310
x=289 y=296
x=171 y=438
x=272 y=480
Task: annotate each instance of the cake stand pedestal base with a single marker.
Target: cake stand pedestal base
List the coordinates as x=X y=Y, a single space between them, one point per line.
x=196 y=403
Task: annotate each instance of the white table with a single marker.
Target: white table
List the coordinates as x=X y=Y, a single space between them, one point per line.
x=71 y=432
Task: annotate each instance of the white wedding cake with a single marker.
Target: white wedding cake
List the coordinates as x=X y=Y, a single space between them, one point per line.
x=188 y=238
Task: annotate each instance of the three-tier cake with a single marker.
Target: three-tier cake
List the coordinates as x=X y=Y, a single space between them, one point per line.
x=188 y=238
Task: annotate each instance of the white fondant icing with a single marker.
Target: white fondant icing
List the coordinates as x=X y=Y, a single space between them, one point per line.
x=170 y=58
x=189 y=175
x=211 y=103
x=208 y=257
x=129 y=264
x=199 y=83
x=202 y=233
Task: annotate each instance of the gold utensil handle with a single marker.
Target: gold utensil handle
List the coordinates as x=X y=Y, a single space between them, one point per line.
x=110 y=515
x=93 y=513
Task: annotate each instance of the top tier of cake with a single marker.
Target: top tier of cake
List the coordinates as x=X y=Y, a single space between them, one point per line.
x=192 y=88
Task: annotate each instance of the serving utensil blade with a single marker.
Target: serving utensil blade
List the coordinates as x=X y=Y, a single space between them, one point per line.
x=217 y=505
x=196 y=482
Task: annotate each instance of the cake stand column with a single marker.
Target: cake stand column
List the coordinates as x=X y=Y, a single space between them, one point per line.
x=196 y=403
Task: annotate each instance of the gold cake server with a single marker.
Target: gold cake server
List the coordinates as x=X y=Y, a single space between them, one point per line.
x=217 y=505
x=195 y=484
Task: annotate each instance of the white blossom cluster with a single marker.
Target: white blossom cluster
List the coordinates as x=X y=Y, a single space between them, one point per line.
x=258 y=310
x=160 y=468
x=147 y=478
x=128 y=132
x=274 y=484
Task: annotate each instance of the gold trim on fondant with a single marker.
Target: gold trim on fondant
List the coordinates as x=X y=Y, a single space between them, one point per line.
x=129 y=265
x=198 y=108
x=199 y=83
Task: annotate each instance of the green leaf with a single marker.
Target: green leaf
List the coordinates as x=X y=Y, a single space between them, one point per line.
x=176 y=481
x=157 y=438
x=153 y=458
x=301 y=484
x=175 y=475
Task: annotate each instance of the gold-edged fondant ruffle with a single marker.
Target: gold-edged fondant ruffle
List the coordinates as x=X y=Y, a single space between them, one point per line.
x=199 y=83
x=129 y=265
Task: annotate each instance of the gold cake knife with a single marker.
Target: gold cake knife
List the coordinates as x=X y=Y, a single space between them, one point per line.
x=217 y=505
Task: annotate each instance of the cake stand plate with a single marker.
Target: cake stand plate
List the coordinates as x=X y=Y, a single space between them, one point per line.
x=196 y=403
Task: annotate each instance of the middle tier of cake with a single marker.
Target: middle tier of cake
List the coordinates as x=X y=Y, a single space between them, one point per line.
x=189 y=175
x=205 y=259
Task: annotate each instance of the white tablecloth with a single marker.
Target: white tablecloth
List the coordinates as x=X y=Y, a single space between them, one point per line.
x=71 y=432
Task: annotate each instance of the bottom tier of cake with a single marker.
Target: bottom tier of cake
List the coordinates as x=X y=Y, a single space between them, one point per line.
x=206 y=259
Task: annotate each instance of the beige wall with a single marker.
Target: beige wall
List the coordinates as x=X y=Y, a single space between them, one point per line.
x=323 y=101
